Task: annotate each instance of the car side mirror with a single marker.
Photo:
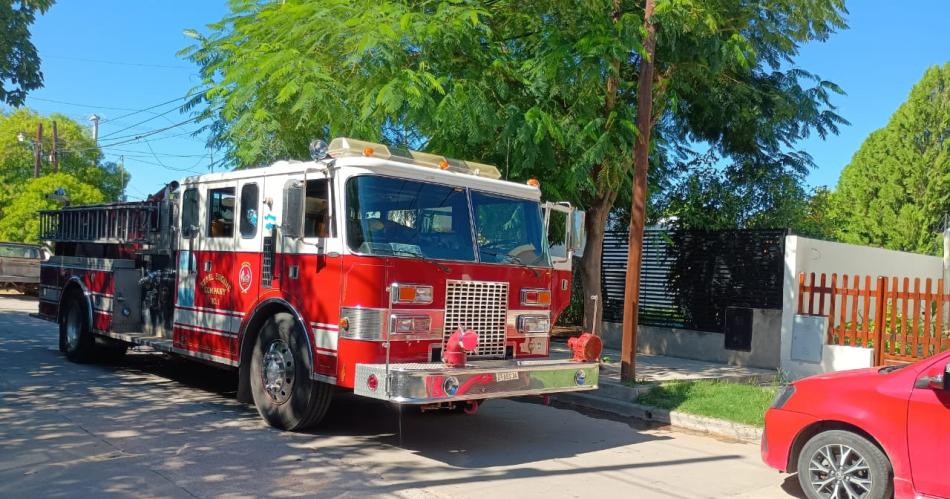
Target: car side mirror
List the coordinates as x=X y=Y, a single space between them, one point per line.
x=937 y=379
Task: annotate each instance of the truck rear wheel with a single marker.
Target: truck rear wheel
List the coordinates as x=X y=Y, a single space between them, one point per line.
x=284 y=393
x=75 y=338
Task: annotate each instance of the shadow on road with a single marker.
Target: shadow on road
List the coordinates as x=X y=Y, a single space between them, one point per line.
x=177 y=424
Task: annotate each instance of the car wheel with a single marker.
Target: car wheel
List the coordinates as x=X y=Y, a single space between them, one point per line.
x=840 y=464
x=284 y=394
x=75 y=338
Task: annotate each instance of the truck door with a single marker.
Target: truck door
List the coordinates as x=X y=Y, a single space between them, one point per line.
x=249 y=245
x=205 y=320
x=310 y=261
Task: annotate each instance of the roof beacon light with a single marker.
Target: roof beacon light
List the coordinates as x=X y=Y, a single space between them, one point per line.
x=345 y=147
x=318 y=149
x=533 y=182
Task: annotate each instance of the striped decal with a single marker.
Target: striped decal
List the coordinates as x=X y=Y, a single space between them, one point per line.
x=325 y=337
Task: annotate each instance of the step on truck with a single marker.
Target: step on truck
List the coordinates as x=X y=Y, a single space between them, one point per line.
x=399 y=275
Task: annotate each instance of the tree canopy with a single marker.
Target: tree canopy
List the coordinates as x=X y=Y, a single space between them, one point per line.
x=19 y=62
x=20 y=221
x=80 y=160
x=895 y=192
x=545 y=89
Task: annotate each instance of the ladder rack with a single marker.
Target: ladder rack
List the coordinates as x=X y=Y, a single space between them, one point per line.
x=115 y=223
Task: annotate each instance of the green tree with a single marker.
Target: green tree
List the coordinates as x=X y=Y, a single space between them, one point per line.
x=20 y=221
x=711 y=197
x=545 y=89
x=19 y=62
x=895 y=192
x=79 y=155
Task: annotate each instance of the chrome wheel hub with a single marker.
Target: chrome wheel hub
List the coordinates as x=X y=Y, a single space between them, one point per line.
x=73 y=327
x=838 y=471
x=278 y=371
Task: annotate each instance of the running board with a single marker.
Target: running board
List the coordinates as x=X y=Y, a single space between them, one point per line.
x=163 y=344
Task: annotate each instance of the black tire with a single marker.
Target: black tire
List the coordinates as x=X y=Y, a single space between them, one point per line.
x=825 y=449
x=291 y=403
x=75 y=338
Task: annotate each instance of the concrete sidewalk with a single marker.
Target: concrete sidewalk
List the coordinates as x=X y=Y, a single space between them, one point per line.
x=659 y=368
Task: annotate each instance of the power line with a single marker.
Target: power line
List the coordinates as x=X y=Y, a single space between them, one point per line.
x=139 y=123
x=118 y=63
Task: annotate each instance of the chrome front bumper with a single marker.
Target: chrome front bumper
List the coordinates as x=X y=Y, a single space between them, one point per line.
x=434 y=382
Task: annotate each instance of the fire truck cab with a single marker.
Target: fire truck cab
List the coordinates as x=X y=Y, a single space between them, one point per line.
x=399 y=275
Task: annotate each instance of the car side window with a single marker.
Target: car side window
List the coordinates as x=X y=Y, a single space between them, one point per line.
x=221 y=212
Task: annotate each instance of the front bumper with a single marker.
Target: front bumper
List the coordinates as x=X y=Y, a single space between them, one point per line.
x=427 y=383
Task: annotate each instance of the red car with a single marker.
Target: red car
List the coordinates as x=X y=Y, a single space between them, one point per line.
x=868 y=433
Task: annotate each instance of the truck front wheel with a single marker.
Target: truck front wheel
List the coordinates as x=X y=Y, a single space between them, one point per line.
x=284 y=393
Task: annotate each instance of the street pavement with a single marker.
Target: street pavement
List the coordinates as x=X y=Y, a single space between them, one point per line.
x=154 y=427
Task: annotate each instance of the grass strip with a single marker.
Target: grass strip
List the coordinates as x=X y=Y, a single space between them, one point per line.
x=738 y=402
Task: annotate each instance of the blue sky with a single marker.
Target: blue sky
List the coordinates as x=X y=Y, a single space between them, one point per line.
x=111 y=57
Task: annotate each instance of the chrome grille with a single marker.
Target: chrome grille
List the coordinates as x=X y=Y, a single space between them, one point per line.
x=482 y=307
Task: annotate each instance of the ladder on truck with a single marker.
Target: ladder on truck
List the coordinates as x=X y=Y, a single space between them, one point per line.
x=142 y=222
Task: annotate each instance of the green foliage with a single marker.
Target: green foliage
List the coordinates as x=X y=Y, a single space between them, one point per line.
x=79 y=157
x=544 y=89
x=20 y=221
x=748 y=198
x=895 y=191
x=19 y=62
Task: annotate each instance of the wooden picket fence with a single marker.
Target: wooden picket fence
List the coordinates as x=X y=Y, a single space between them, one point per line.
x=903 y=323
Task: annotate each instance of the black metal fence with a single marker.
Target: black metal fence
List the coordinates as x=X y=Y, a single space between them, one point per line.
x=689 y=278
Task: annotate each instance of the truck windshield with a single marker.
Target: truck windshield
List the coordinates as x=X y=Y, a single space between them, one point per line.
x=401 y=217
x=509 y=230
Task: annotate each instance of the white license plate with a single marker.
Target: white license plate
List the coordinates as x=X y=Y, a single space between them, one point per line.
x=506 y=376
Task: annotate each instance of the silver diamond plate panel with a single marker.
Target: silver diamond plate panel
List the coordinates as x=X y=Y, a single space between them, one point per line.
x=481 y=306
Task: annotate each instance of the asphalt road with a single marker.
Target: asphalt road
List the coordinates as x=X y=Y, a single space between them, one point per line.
x=153 y=427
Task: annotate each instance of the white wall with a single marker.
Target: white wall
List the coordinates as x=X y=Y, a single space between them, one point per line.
x=804 y=255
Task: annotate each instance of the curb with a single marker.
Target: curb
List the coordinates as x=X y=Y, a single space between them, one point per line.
x=675 y=419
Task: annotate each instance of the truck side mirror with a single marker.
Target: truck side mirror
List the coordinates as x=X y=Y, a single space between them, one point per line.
x=578 y=232
x=293 y=209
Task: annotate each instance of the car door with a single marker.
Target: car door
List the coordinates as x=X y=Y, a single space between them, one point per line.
x=928 y=431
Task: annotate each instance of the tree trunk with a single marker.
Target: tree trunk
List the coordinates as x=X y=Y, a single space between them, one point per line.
x=590 y=267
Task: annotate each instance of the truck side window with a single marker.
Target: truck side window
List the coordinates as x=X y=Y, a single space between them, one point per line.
x=316 y=220
x=189 y=212
x=249 y=210
x=221 y=212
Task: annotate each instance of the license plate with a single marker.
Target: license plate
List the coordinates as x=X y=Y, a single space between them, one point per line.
x=506 y=376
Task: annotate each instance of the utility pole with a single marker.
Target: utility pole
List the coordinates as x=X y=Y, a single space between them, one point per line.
x=54 y=155
x=95 y=128
x=38 y=150
x=641 y=161
x=122 y=177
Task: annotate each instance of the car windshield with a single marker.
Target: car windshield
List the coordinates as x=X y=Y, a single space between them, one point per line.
x=400 y=217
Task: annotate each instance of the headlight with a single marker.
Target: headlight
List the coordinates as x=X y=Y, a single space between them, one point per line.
x=534 y=323
x=782 y=396
x=411 y=324
x=412 y=293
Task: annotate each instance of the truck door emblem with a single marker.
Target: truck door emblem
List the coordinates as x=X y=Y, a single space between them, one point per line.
x=215 y=286
x=245 y=276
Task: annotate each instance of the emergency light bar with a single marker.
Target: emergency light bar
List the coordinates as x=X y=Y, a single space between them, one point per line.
x=346 y=147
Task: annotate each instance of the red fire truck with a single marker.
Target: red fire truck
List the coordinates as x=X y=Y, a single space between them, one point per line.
x=369 y=269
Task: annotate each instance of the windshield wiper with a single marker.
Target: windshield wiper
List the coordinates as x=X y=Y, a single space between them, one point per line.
x=515 y=260
x=424 y=258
